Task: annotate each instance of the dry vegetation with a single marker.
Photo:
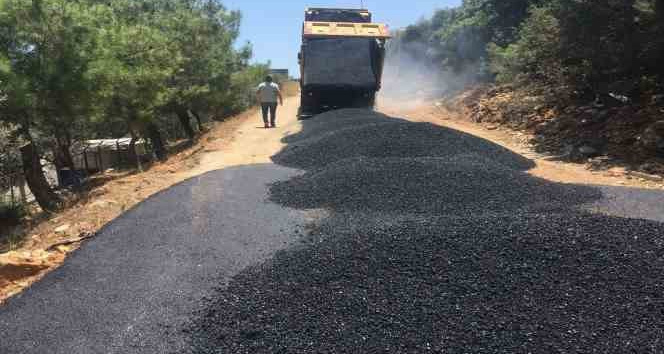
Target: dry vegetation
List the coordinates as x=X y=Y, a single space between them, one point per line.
x=603 y=135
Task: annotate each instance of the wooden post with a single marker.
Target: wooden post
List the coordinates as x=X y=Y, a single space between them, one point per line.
x=85 y=160
x=134 y=152
x=100 y=159
x=157 y=142
x=118 y=155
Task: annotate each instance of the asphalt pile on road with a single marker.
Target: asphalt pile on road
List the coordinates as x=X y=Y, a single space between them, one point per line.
x=353 y=137
x=462 y=184
x=459 y=251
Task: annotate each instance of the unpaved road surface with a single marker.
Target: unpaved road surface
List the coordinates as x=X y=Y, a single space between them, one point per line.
x=430 y=240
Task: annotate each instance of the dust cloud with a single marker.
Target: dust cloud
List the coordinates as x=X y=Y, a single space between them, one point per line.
x=412 y=78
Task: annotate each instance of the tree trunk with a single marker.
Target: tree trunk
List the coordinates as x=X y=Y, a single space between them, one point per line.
x=659 y=11
x=183 y=116
x=157 y=143
x=34 y=175
x=65 y=150
x=62 y=151
x=630 y=41
x=66 y=158
x=21 y=189
x=63 y=160
x=198 y=119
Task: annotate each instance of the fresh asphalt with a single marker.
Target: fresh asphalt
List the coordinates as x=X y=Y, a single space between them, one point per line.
x=409 y=260
x=132 y=288
x=437 y=241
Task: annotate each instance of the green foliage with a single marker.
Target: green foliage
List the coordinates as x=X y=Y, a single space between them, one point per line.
x=10 y=162
x=243 y=87
x=131 y=64
x=89 y=69
x=535 y=54
x=45 y=53
x=457 y=39
x=178 y=55
x=585 y=47
x=75 y=70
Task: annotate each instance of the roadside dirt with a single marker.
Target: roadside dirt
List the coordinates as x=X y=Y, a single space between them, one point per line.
x=237 y=141
x=547 y=167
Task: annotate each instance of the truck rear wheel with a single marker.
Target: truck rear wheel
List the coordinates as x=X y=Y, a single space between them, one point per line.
x=366 y=101
x=308 y=107
x=371 y=103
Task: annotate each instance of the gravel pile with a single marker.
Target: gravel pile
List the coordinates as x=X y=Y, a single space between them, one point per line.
x=438 y=241
x=354 y=138
x=331 y=121
x=464 y=184
x=376 y=284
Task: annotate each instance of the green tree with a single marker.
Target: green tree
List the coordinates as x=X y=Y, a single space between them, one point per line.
x=43 y=88
x=659 y=24
x=204 y=34
x=535 y=55
x=590 y=47
x=75 y=70
x=132 y=63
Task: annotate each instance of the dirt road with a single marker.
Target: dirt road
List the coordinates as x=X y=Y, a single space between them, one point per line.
x=545 y=167
x=254 y=144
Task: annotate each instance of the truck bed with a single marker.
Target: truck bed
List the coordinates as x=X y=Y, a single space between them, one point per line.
x=340 y=63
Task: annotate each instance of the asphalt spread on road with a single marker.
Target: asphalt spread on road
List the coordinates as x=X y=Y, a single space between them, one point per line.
x=432 y=241
x=134 y=287
x=438 y=241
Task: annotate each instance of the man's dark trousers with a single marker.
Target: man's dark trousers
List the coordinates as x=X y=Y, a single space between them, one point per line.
x=272 y=108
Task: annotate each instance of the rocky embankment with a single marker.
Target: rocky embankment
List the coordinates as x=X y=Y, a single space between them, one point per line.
x=607 y=132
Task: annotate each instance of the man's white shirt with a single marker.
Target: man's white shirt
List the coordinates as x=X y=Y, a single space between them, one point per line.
x=268 y=92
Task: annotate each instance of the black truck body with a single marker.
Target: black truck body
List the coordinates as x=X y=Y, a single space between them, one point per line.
x=341 y=62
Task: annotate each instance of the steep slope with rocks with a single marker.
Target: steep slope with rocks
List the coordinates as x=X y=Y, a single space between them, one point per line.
x=628 y=134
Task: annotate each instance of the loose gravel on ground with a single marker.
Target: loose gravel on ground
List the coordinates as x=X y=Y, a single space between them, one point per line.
x=352 y=137
x=464 y=184
x=444 y=247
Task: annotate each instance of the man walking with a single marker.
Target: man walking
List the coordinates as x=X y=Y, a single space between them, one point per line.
x=267 y=95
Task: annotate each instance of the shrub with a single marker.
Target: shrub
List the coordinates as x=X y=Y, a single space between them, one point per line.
x=11 y=213
x=534 y=55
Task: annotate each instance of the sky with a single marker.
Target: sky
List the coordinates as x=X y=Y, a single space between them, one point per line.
x=274 y=26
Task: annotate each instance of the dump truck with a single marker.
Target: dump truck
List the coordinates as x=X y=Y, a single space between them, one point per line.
x=341 y=59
